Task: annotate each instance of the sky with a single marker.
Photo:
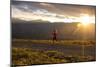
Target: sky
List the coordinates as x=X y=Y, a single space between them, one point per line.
x=51 y=12
x=84 y=2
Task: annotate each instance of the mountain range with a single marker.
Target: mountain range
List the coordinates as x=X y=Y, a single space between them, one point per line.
x=42 y=30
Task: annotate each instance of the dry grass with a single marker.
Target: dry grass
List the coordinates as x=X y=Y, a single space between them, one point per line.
x=27 y=56
x=59 y=42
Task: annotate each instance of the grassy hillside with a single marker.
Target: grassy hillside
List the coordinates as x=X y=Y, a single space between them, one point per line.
x=59 y=42
x=33 y=52
x=25 y=56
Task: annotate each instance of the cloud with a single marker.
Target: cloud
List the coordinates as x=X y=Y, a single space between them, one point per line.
x=49 y=12
x=25 y=12
x=35 y=15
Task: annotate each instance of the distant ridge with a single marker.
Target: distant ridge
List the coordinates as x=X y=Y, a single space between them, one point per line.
x=34 y=30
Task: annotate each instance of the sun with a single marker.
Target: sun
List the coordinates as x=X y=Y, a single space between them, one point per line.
x=85 y=20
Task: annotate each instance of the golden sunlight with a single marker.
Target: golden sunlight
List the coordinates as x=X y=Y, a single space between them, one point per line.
x=83 y=25
x=78 y=25
x=85 y=20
